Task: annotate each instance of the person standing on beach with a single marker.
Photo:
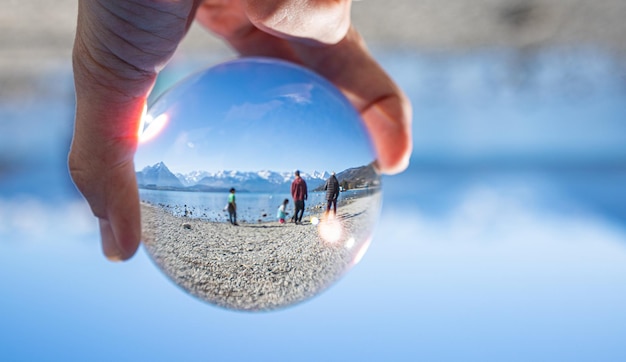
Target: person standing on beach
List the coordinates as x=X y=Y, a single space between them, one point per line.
x=232 y=207
x=299 y=194
x=332 y=193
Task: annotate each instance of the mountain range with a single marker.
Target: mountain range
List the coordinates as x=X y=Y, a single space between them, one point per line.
x=160 y=177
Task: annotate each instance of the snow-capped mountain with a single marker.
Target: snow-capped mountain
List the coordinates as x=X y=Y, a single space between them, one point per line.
x=192 y=178
x=323 y=175
x=159 y=176
x=261 y=181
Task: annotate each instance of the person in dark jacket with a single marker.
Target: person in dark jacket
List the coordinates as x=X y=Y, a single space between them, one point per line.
x=332 y=193
x=299 y=194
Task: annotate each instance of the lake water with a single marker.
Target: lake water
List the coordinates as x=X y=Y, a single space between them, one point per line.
x=505 y=240
x=251 y=207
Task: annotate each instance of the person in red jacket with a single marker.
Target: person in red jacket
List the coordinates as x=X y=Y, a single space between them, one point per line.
x=299 y=194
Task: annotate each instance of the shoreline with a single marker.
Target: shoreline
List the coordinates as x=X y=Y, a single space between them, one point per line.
x=249 y=214
x=257 y=267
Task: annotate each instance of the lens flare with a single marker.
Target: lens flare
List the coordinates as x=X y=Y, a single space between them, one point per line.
x=350 y=243
x=361 y=251
x=151 y=127
x=330 y=229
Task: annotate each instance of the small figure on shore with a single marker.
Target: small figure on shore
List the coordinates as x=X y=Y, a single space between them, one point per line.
x=281 y=214
x=332 y=193
x=299 y=194
x=232 y=207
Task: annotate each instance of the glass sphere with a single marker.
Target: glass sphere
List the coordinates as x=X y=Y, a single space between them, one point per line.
x=225 y=214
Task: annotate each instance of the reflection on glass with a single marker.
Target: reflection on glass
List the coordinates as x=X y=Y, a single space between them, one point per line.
x=257 y=184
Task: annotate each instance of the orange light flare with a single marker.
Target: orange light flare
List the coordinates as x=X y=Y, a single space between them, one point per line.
x=150 y=126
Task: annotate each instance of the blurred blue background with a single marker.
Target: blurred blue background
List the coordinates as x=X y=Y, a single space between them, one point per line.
x=505 y=240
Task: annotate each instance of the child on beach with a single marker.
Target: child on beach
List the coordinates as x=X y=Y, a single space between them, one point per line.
x=282 y=214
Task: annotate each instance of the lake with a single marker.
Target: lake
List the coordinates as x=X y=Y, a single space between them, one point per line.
x=251 y=207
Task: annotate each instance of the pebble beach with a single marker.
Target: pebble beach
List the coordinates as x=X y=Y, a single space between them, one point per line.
x=262 y=266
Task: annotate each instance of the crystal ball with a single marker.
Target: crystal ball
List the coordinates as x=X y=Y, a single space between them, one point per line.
x=257 y=184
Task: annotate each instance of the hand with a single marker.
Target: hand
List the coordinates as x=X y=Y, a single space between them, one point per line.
x=121 y=45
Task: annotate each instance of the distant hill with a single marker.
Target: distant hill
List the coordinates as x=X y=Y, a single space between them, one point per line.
x=356 y=177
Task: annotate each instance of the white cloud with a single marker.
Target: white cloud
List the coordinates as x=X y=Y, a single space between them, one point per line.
x=251 y=111
x=299 y=93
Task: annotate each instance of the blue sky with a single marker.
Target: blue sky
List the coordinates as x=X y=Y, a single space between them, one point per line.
x=250 y=117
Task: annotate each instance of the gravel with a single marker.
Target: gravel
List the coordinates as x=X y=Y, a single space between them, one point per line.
x=258 y=267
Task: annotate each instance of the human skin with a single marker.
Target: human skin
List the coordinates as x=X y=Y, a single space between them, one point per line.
x=121 y=45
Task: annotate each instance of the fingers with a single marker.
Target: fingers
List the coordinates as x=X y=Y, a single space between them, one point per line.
x=228 y=20
x=119 y=48
x=103 y=171
x=388 y=122
x=118 y=228
x=312 y=21
x=256 y=24
x=112 y=195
